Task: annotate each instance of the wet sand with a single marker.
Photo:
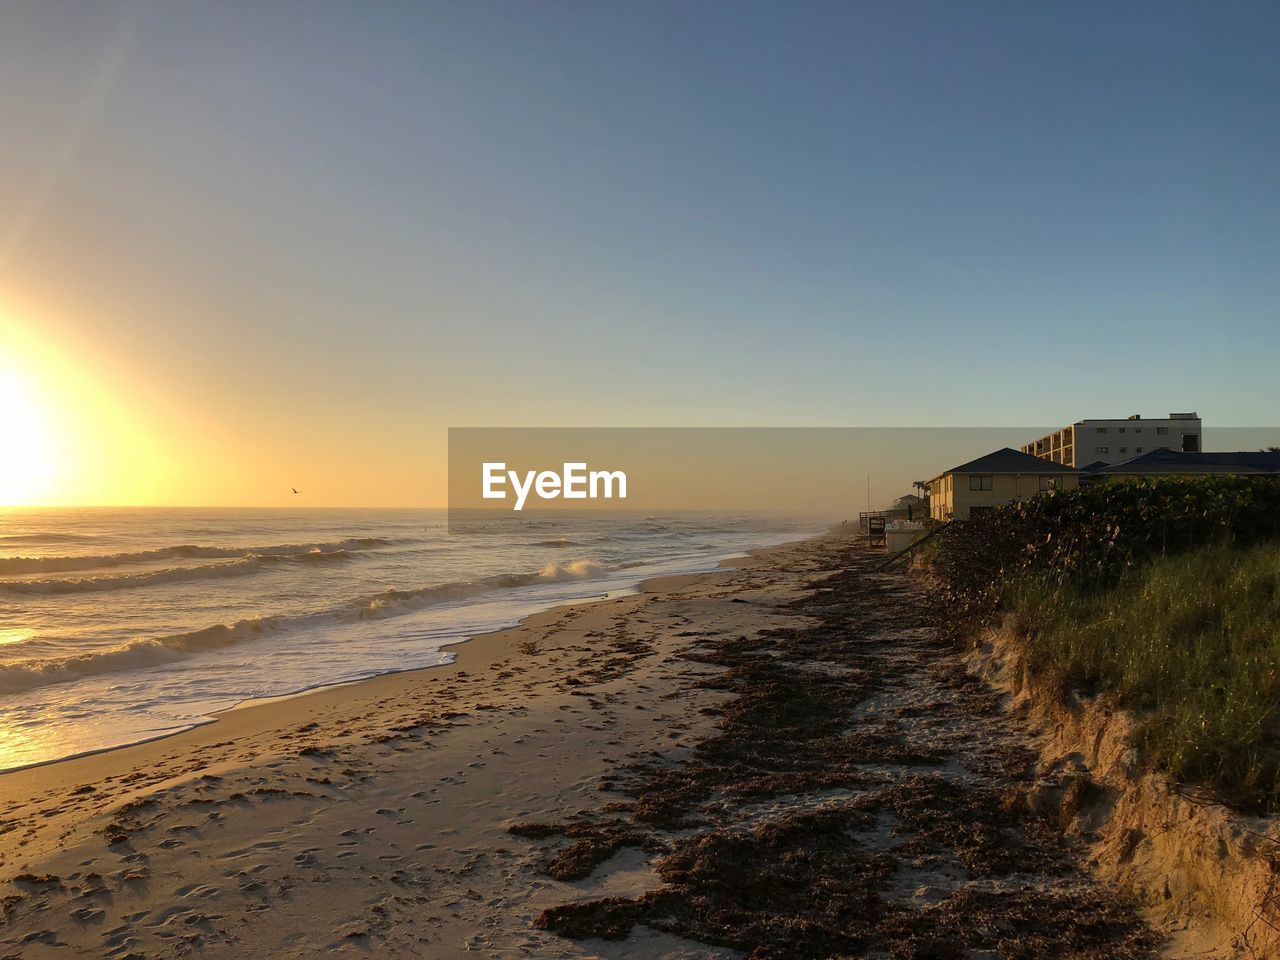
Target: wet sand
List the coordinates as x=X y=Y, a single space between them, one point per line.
x=782 y=759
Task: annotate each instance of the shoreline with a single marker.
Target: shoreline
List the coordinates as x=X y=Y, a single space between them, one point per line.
x=249 y=703
x=241 y=717
x=103 y=851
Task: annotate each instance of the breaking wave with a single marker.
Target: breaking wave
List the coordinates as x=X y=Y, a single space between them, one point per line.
x=577 y=570
x=232 y=568
x=393 y=602
x=184 y=551
x=137 y=654
x=29 y=674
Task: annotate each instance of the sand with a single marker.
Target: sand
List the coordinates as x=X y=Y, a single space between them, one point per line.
x=373 y=819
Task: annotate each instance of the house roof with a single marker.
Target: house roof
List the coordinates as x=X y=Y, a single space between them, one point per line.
x=1008 y=460
x=1166 y=461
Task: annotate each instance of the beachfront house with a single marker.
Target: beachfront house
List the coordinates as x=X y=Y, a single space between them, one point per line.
x=977 y=486
x=911 y=506
x=1088 y=442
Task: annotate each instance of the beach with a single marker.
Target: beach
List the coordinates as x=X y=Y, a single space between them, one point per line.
x=779 y=758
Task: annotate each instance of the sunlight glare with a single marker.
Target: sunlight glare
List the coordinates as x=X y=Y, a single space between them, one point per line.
x=67 y=435
x=29 y=447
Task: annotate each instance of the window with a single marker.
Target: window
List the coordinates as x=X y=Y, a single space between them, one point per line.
x=1101 y=449
x=1137 y=429
x=1048 y=483
x=1120 y=430
x=1137 y=449
x=1162 y=431
x=1124 y=449
x=1102 y=429
x=979 y=483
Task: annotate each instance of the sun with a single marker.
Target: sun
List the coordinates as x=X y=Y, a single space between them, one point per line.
x=68 y=435
x=28 y=441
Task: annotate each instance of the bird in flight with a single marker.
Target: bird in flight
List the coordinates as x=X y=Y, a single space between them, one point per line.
x=294 y=489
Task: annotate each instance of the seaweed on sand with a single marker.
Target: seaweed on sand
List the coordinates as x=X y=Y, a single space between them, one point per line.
x=811 y=825
x=593 y=844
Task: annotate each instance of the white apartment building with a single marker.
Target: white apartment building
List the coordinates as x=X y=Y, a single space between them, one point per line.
x=1087 y=442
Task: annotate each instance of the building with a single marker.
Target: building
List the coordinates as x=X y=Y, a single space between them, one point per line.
x=1087 y=443
x=916 y=508
x=1177 y=463
x=1006 y=475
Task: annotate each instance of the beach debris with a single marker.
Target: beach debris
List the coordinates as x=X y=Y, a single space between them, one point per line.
x=859 y=795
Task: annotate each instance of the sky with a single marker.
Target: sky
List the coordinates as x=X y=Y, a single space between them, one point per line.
x=250 y=246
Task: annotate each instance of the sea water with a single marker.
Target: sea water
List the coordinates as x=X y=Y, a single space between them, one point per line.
x=122 y=625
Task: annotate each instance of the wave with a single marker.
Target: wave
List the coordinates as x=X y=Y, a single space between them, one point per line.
x=556 y=543
x=21 y=675
x=47 y=538
x=242 y=567
x=577 y=570
x=135 y=655
x=184 y=551
x=394 y=602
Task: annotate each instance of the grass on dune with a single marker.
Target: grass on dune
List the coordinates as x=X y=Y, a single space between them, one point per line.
x=1192 y=641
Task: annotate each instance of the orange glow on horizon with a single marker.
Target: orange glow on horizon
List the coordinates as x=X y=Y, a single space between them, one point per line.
x=81 y=426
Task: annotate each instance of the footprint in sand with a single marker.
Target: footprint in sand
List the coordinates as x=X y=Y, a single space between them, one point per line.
x=198 y=891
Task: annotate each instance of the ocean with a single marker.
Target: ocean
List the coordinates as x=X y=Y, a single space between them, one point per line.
x=119 y=625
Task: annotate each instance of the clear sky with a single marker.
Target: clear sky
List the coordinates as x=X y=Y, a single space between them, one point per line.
x=252 y=245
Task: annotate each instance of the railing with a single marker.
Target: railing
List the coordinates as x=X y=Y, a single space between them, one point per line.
x=886 y=515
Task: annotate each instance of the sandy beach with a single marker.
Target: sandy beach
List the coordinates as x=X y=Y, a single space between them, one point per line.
x=776 y=759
